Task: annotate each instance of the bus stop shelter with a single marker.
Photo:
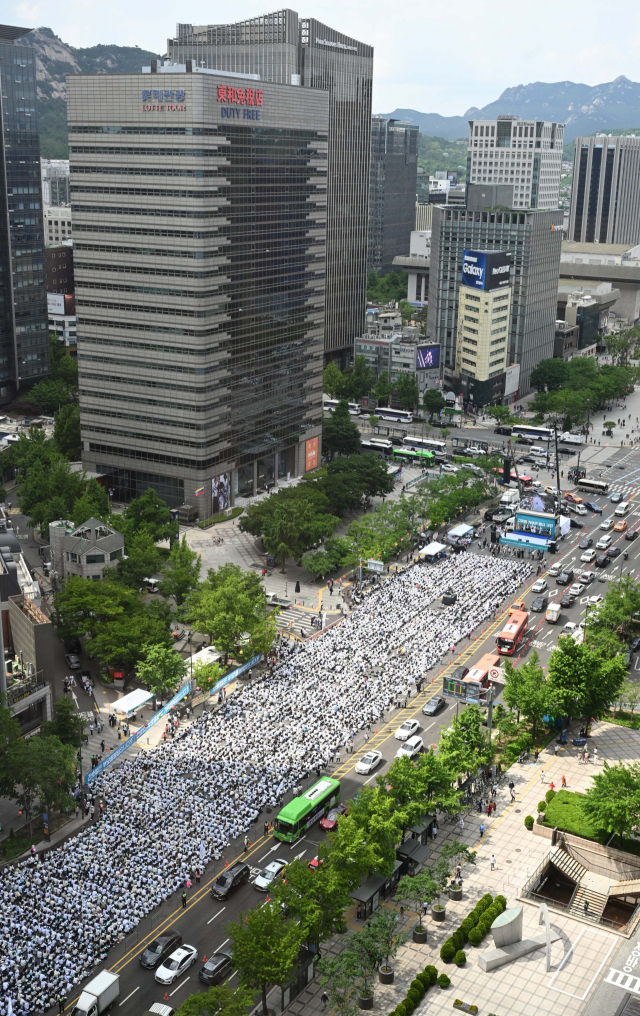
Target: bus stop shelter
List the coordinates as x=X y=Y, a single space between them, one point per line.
x=369 y=892
x=412 y=854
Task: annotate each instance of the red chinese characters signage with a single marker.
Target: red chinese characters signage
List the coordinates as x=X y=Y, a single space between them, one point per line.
x=240 y=96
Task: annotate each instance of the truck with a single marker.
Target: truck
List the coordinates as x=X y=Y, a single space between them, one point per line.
x=510 y=498
x=98 y=995
x=574 y=439
x=553 y=613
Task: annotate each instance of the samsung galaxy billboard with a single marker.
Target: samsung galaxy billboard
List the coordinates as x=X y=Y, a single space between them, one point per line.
x=485 y=269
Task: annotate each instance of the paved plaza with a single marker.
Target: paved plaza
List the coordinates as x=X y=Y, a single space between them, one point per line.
x=584 y=961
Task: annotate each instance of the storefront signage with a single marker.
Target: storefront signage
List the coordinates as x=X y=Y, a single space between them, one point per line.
x=311 y=454
x=240 y=96
x=171 y=100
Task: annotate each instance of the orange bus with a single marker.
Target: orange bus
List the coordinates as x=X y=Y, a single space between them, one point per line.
x=474 y=685
x=511 y=635
x=487 y=669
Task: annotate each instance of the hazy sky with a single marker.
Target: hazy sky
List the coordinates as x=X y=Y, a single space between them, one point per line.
x=434 y=57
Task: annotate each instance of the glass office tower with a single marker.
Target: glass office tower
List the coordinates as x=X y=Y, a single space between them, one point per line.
x=24 y=330
x=302 y=51
x=392 y=191
x=199 y=211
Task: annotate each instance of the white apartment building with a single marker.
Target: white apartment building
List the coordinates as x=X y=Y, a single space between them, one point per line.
x=57 y=224
x=524 y=153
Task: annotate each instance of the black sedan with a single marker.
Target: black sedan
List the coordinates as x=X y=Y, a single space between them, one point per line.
x=634 y=645
x=601 y=560
x=585 y=543
x=217 y=968
x=575 y=524
x=631 y=534
x=593 y=507
x=540 y=603
x=434 y=705
x=158 y=950
x=613 y=552
x=567 y=600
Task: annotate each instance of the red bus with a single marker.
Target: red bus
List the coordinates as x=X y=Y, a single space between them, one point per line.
x=512 y=633
x=526 y=480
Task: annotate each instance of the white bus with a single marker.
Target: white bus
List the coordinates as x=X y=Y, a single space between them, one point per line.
x=593 y=486
x=539 y=433
x=385 y=413
x=330 y=404
x=438 y=447
x=377 y=444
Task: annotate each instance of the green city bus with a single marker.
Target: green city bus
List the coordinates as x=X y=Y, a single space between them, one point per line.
x=419 y=455
x=300 y=813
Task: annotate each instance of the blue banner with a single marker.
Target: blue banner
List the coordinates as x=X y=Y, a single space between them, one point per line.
x=228 y=678
x=117 y=752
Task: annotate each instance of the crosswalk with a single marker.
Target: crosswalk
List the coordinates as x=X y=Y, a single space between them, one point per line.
x=294 y=618
x=628 y=489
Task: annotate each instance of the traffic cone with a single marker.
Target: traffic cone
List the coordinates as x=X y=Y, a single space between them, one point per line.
x=204 y=958
x=166 y=996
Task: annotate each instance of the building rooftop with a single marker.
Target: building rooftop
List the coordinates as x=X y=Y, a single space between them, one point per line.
x=573 y=247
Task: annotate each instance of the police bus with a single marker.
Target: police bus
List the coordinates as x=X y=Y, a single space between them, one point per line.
x=431 y=444
x=387 y=415
x=330 y=404
x=302 y=812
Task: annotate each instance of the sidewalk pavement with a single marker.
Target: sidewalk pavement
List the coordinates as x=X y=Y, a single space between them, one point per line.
x=579 y=959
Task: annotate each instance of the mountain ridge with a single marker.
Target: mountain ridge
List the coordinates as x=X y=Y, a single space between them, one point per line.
x=584 y=109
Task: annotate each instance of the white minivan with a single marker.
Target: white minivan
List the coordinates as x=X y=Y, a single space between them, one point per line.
x=622 y=508
x=603 y=543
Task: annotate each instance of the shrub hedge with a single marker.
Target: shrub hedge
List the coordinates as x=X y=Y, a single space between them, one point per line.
x=460 y=958
x=529 y=822
x=444 y=981
x=417 y=990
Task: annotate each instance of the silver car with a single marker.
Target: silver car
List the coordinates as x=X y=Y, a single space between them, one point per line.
x=270 y=874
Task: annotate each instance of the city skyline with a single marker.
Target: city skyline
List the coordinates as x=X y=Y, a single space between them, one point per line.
x=403 y=77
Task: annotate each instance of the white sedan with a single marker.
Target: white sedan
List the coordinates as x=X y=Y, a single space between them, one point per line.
x=588 y=556
x=593 y=600
x=448 y=468
x=410 y=748
x=607 y=524
x=368 y=762
x=580 y=510
x=539 y=586
x=576 y=589
x=408 y=728
x=270 y=874
x=175 y=965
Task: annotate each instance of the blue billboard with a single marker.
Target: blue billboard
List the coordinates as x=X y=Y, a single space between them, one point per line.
x=427 y=357
x=485 y=269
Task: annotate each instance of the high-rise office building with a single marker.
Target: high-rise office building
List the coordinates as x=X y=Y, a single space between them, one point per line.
x=199 y=210
x=284 y=48
x=392 y=190
x=526 y=154
x=533 y=240
x=24 y=335
x=55 y=182
x=605 y=192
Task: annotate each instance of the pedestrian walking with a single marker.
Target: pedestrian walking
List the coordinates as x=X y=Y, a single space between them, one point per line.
x=481 y=830
x=461 y=824
x=595 y=756
x=324 y=998
x=542 y=775
x=536 y=755
x=564 y=781
x=555 y=750
x=493 y=861
x=265 y=830
x=359 y=911
x=246 y=844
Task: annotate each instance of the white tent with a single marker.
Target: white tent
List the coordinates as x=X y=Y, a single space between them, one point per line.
x=432 y=550
x=460 y=531
x=565 y=525
x=129 y=703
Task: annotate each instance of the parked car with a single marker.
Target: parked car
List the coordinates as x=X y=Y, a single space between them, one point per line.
x=158 y=950
x=565 y=577
x=176 y=964
x=502 y=430
x=555 y=570
x=577 y=589
x=594 y=600
x=330 y=820
x=603 y=543
x=73 y=645
x=410 y=748
x=217 y=968
x=581 y=510
x=434 y=705
x=273 y=871
x=587 y=577
x=459 y=673
x=72 y=661
x=540 y=603
x=575 y=524
x=572 y=498
x=229 y=880
x=368 y=762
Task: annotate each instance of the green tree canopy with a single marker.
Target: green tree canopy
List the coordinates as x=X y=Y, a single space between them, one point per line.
x=383 y=389
x=581 y=682
x=290 y=521
x=265 y=948
x=161 y=669
x=67 y=724
x=82 y=606
x=339 y=432
x=143 y=560
x=94 y=503
x=231 y=607
x=386 y=288
x=433 y=401
x=406 y=386
x=181 y=573
x=332 y=379
x=613 y=801
x=150 y=512
x=123 y=642
x=218 y=1000
x=9 y=734
x=66 y=431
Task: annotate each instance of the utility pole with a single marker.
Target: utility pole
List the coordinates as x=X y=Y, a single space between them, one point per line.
x=555 y=431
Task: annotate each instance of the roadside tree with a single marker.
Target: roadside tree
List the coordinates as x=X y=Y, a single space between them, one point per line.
x=265 y=948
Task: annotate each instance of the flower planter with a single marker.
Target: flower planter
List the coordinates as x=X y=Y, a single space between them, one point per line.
x=365 y=1002
x=465 y=1006
x=420 y=935
x=385 y=975
x=438 y=912
x=455 y=894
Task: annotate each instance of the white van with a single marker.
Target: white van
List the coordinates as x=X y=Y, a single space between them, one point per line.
x=603 y=543
x=541 y=452
x=622 y=508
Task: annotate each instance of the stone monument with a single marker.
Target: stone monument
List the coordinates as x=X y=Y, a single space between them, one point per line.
x=508 y=940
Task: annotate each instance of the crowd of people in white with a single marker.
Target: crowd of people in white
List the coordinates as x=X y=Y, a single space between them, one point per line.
x=175 y=809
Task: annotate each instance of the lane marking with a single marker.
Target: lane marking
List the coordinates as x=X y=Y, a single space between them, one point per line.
x=216 y=915
x=129 y=996
x=222 y=945
x=180 y=986
x=370 y=778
